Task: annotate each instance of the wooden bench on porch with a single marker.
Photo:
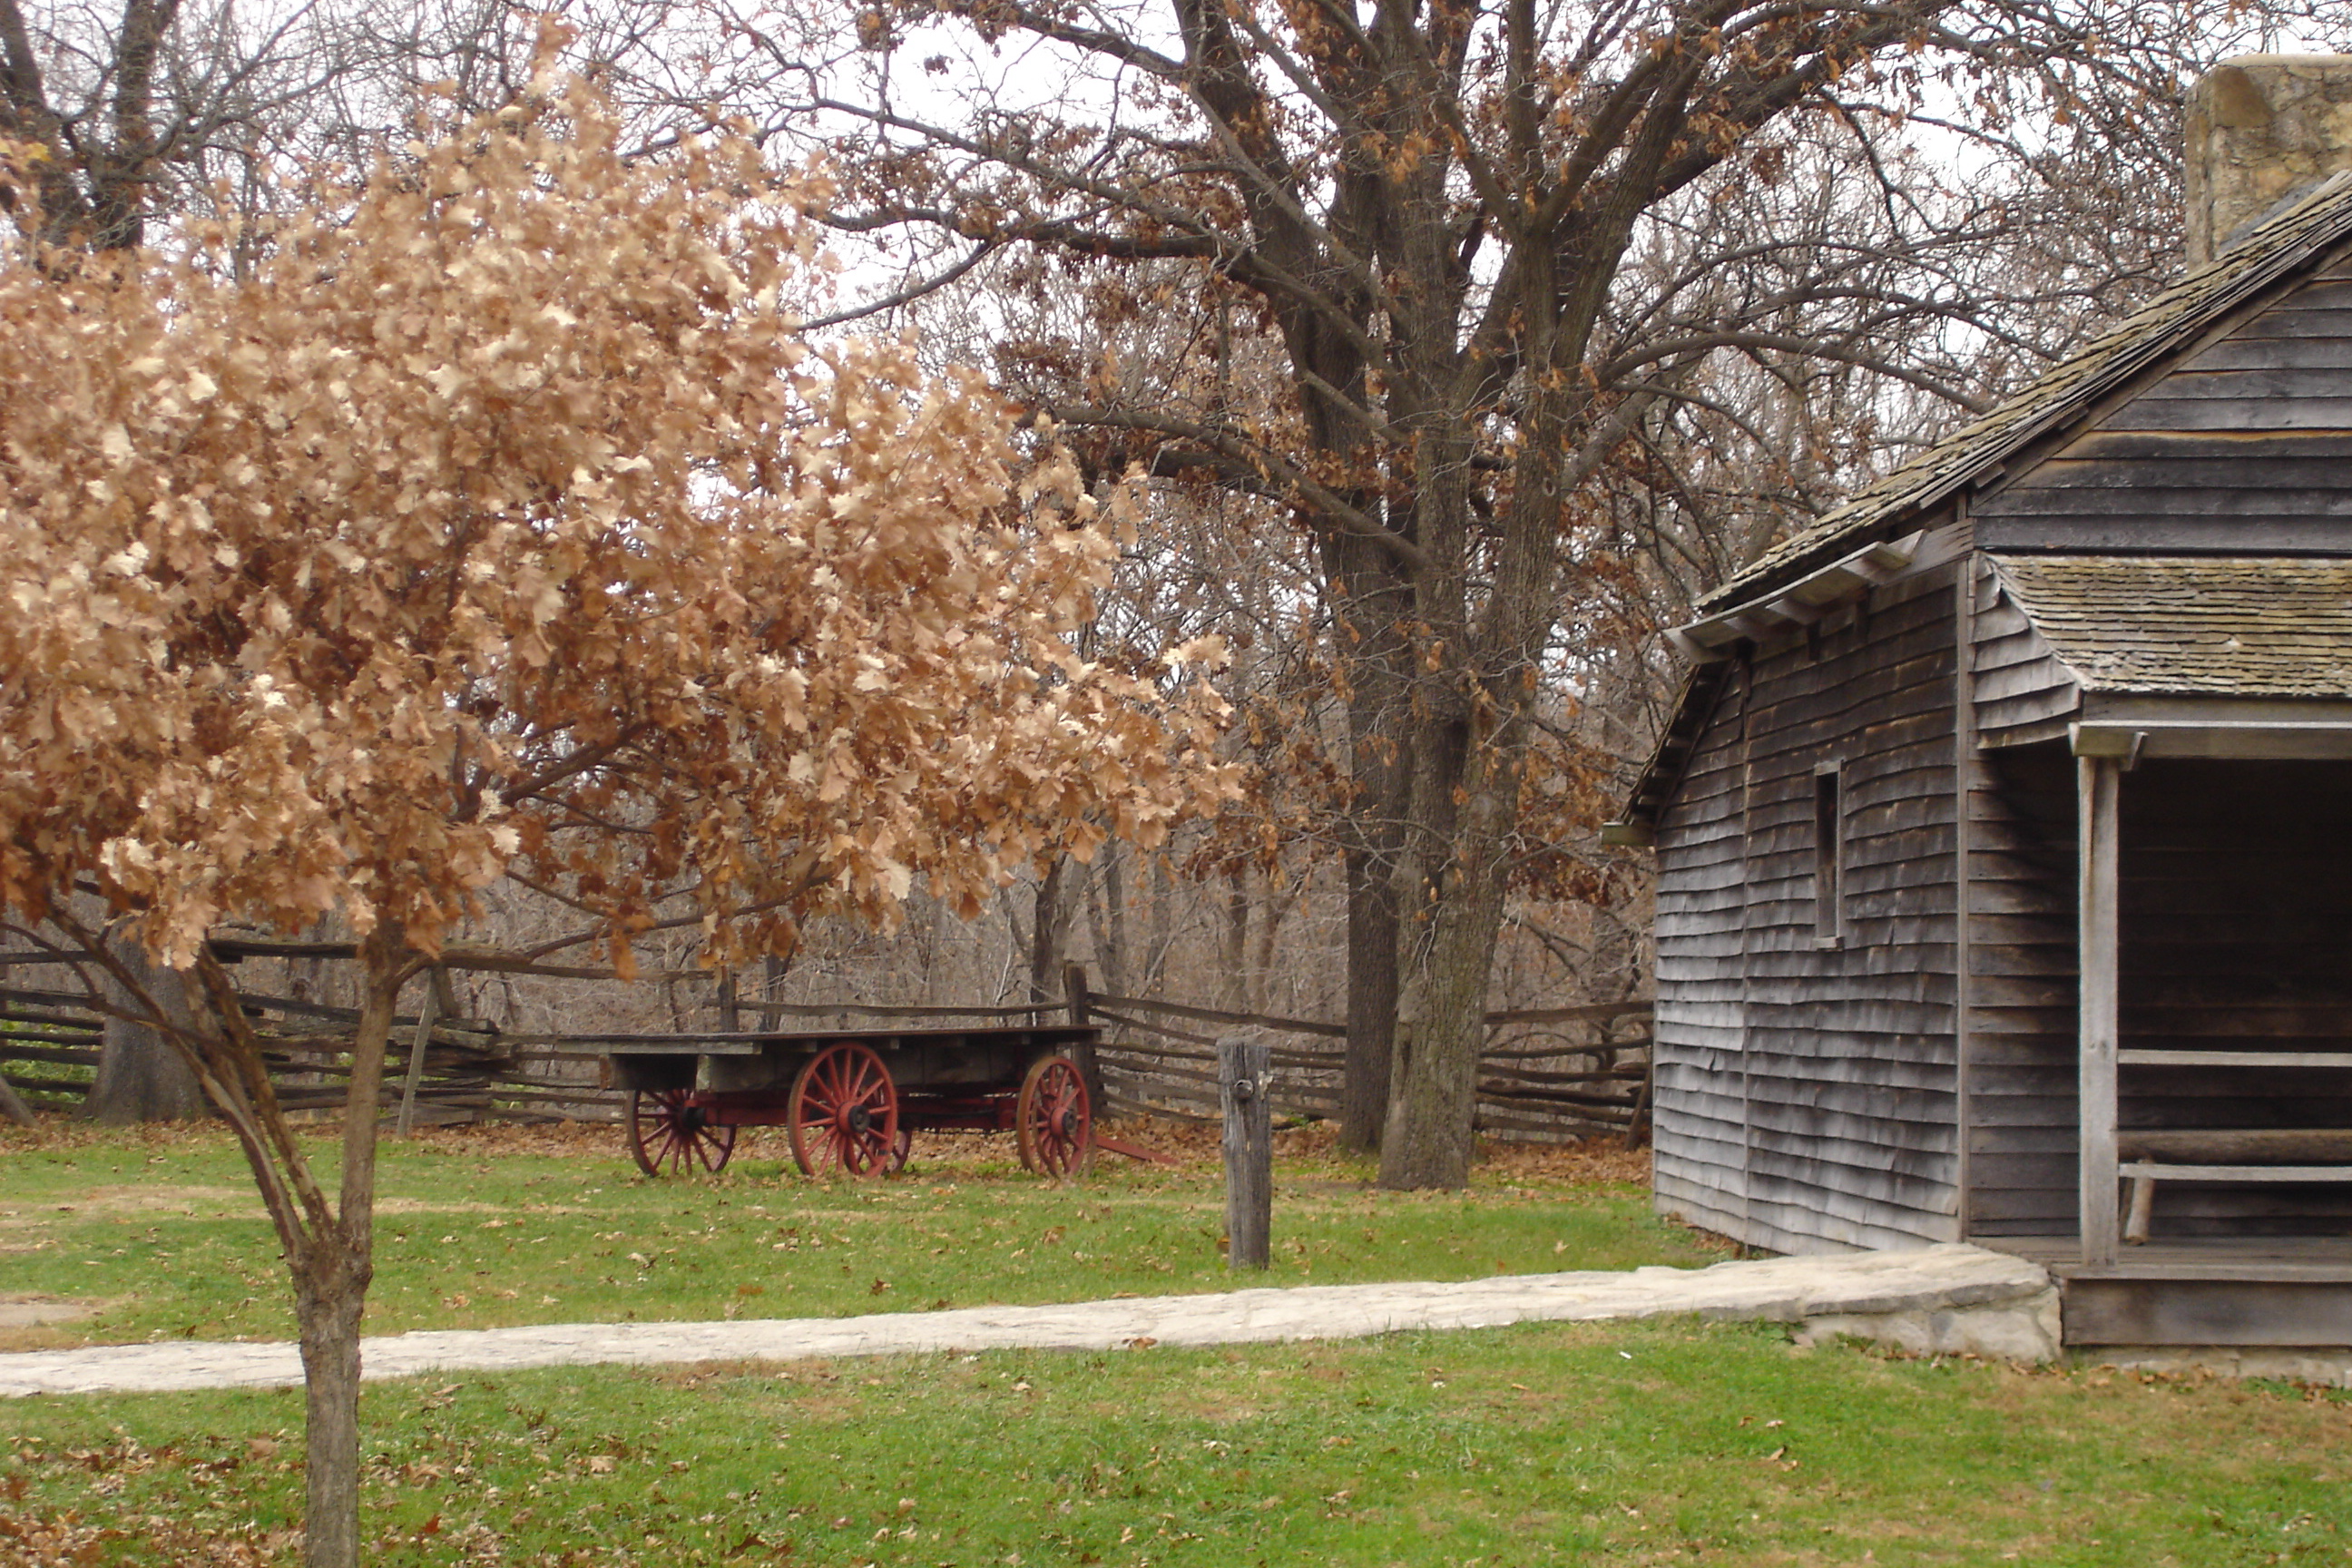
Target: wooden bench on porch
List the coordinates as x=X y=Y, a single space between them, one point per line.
x=2228 y=1155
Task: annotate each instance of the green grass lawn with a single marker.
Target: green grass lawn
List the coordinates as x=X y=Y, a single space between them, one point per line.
x=160 y=1231
x=1674 y=1443
x=1657 y=1443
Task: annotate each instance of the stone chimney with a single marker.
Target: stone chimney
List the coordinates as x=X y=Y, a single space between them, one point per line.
x=2261 y=129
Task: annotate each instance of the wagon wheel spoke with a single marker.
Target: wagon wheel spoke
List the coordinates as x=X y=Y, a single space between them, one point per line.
x=1053 y=1121
x=843 y=1113
x=670 y=1134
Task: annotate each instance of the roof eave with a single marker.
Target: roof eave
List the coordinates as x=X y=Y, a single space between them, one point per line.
x=2309 y=227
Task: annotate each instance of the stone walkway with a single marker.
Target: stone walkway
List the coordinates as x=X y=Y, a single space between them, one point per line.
x=1953 y=1299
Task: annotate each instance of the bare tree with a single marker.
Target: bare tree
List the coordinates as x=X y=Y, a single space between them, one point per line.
x=1478 y=243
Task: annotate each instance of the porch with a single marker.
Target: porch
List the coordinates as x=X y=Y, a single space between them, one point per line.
x=2272 y=1292
x=2212 y=1030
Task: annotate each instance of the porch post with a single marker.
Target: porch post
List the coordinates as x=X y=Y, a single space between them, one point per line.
x=2099 y=781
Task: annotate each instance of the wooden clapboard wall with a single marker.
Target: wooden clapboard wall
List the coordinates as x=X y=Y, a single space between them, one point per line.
x=2240 y=448
x=1841 y=1088
x=2023 y=1148
x=2020 y=692
x=1699 y=1138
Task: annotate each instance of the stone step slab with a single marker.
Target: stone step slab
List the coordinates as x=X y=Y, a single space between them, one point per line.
x=1947 y=1299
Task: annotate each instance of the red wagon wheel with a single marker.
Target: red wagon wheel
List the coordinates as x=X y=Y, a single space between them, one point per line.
x=669 y=1134
x=844 y=1113
x=1054 y=1120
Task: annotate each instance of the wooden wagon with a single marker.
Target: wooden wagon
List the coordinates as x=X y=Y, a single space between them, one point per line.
x=851 y=1100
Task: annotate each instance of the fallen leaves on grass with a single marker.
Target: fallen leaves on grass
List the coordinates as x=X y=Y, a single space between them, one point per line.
x=69 y=1540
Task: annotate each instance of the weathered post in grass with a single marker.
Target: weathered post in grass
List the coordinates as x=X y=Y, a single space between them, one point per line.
x=1243 y=1063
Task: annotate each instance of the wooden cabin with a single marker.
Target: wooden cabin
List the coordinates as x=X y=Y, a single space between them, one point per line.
x=2004 y=827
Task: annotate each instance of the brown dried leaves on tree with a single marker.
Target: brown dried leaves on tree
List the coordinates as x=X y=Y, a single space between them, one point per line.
x=503 y=519
x=497 y=522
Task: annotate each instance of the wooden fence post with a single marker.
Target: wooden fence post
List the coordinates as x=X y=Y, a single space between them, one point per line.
x=406 y=1123
x=1081 y=1000
x=14 y=1108
x=1242 y=1065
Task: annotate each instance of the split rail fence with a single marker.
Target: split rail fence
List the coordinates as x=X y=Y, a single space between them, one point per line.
x=1547 y=1074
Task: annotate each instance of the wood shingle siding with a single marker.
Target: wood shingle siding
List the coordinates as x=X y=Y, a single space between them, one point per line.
x=2023 y=1144
x=1699 y=1116
x=2238 y=448
x=2124 y=597
x=1842 y=1103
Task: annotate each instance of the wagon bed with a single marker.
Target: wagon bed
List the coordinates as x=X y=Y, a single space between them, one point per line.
x=851 y=1100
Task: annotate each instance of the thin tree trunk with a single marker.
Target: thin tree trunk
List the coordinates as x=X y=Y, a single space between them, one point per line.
x=1273 y=910
x=1233 y=944
x=1161 y=933
x=1106 y=914
x=141 y=1078
x=936 y=968
x=1050 y=919
x=328 y=1310
x=332 y=1282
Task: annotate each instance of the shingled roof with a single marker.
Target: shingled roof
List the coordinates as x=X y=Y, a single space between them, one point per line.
x=2191 y=624
x=2310 y=225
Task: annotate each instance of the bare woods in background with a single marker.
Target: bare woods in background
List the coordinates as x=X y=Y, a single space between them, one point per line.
x=1149 y=945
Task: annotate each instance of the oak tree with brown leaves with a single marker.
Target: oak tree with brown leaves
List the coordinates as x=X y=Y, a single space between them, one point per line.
x=497 y=522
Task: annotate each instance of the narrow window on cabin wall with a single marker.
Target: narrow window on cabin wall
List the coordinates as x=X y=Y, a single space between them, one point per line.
x=1829 y=855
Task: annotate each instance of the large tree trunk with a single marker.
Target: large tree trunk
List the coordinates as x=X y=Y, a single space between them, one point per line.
x=141 y=1076
x=1440 y=1031
x=1467 y=768
x=1371 y=597
x=1448 y=950
x=1371 y=999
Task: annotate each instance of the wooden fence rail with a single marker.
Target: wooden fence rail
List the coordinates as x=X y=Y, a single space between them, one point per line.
x=1547 y=1074
x=1591 y=1076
